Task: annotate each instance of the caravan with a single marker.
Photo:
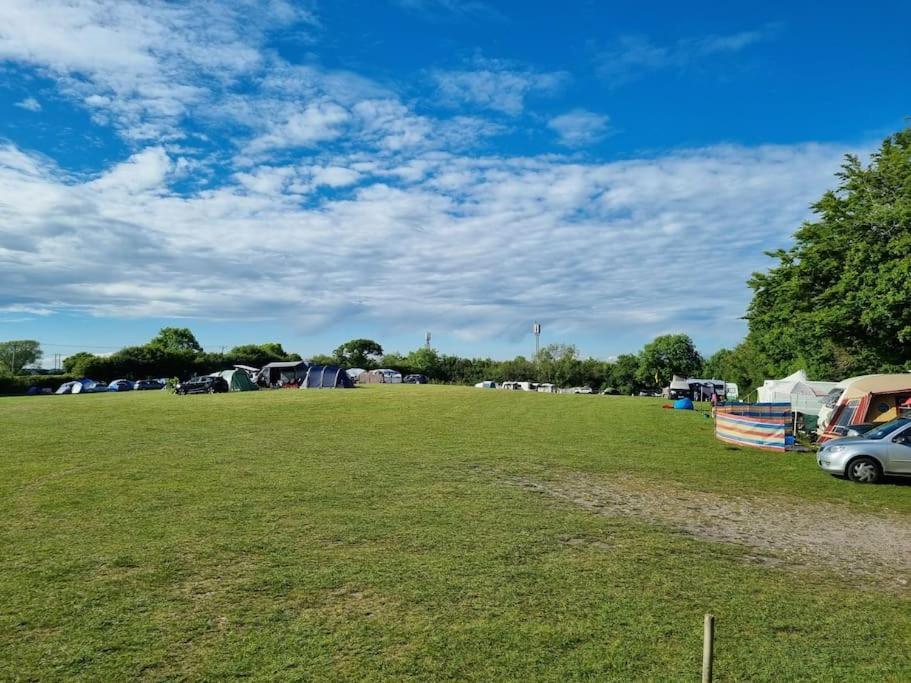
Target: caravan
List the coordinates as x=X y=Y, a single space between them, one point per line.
x=860 y=400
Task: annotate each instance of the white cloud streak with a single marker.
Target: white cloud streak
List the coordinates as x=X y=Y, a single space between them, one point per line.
x=579 y=127
x=473 y=246
x=633 y=56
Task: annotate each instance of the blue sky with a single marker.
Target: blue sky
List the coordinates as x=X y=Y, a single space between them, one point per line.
x=309 y=172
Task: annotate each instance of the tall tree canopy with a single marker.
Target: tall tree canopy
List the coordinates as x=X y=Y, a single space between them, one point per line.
x=839 y=301
x=666 y=356
x=358 y=353
x=15 y=355
x=176 y=339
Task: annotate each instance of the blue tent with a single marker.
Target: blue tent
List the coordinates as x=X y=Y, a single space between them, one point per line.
x=683 y=404
x=326 y=377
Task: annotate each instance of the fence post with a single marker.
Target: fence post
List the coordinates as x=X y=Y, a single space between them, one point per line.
x=708 y=647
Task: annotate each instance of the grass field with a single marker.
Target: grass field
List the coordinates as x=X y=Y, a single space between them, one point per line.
x=392 y=533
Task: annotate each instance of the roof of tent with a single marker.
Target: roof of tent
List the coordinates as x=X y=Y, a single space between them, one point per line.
x=797 y=384
x=856 y=387
x=238 y=380
x=285 y=364
x=679 y=384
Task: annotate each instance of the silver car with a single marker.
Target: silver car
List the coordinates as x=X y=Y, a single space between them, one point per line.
x=885 y=450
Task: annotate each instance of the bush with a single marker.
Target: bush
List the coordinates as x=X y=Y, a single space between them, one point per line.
x=20 y=384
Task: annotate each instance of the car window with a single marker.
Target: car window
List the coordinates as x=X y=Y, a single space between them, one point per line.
x=887 y=429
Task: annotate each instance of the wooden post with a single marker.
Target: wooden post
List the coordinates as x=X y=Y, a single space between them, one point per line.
x=708 y=648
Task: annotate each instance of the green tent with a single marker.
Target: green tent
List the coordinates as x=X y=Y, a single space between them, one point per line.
x=237 y=380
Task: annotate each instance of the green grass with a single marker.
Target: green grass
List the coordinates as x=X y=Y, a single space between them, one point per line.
x=369 y=534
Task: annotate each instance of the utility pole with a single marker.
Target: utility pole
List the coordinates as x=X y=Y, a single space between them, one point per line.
x=536 y=329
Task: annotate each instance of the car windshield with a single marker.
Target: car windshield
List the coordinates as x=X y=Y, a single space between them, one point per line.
x=888 y=428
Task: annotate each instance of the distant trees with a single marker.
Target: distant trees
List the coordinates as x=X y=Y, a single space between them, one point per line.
x=16 y=354
x=76 y=363
x=176 y=339
x=358 y=353
x=666 y=356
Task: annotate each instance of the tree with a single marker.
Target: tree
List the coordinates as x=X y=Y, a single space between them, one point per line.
x=623 y=373
x=425 y=361
x=358 y=353
x=666 y=356
x=16 y=354
x=76 y=363
x=836 y=302
x=558 y=364
x=176 y=339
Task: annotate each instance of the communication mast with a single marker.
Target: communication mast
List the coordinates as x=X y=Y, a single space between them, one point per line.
x=427 y=341
x=536 y=329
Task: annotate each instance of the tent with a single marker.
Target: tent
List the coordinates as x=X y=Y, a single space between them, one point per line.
x=283 y=372
x=326 y=377
x=354 y=373
x=867 y=398
x=781 y=390
x=486 y=385
x=683 y=404
x=81 y=386
x=382 y=376
x=237 y=379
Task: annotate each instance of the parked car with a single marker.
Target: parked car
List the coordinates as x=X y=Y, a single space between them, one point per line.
x=148 y=385
x=415 y=379
x=120 y=385
x=203 y=385
x=885 y=450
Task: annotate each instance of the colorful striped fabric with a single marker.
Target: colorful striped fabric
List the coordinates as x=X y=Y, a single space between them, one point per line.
x=764 y=410
x=757 y=432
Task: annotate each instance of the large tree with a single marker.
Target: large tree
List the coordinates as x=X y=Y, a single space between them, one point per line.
x=358 y=353
x=838 y=302
x=16 y=354
x=666 y=356
x=176 y=339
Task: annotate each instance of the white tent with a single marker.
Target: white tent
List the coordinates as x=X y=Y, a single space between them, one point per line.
x=354 y=373
x=795 y=389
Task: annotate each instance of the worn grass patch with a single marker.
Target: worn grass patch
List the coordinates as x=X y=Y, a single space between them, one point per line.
x=369 y=535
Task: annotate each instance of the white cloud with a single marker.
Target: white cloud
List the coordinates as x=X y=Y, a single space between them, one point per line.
x=471 y=246
x=579 y=127
x=29 y=103
x=142 y=66
x=495 y=84
x=306 y=127
x=632 y=56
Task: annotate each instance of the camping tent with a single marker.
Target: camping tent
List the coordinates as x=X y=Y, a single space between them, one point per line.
x=803 y=395
x=284 y=372
x=237 y=379
x=354 y=373
x=326 y=377
x=381 y=376
x=683 y=404
x=486 y=384
x=82 y=386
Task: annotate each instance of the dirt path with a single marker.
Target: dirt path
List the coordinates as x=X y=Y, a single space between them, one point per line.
x=781 y=531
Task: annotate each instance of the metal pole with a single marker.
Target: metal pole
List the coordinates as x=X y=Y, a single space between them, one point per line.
x=708 y=647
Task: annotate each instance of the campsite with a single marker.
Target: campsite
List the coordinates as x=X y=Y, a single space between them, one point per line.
x=427 y=532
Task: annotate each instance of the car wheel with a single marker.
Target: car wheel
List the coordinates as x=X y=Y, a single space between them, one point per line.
x=864 y=470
